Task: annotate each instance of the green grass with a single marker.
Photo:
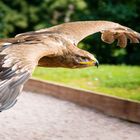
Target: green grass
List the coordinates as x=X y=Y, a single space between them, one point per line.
x=122 y=81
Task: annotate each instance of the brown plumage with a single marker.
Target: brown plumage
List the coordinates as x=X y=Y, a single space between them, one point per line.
x=52 y=47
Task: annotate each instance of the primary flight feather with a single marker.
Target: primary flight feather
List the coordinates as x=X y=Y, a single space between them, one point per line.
x=52 y=47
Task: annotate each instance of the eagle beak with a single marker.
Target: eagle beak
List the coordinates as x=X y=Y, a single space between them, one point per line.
x=96 y=64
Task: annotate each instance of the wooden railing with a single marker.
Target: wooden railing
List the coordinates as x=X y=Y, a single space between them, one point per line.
x=113 y=106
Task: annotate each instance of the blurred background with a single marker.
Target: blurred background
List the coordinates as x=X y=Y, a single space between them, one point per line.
x=20 y=16
x=26 y=15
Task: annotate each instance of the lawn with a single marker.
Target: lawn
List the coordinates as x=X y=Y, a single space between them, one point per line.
x=122 y=81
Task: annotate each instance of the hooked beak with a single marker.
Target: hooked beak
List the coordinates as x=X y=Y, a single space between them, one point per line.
x=97 y=64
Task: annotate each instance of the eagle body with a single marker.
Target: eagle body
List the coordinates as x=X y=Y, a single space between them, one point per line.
x=52 y=47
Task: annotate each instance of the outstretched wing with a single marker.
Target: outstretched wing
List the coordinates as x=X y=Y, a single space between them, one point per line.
x=17 y=61
x=76 y=31
x=18 y=58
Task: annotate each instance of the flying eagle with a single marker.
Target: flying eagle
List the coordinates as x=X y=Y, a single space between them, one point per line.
x=52 y=47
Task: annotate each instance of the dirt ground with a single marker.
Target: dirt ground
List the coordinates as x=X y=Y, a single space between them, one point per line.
x=39 y=117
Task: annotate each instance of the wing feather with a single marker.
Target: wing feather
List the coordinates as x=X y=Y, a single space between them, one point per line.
x=13 y=78
x=18 y=59
x=76 y=31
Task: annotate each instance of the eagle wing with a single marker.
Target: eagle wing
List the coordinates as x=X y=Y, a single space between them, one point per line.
x=111 y=31
x=76 y=31
x=15 y=69
x=17 y=62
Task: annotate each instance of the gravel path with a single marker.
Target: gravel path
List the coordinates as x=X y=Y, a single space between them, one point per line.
x=39 y=117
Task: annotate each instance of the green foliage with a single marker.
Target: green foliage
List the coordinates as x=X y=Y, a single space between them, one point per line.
x=122 y=81
x=25 y=15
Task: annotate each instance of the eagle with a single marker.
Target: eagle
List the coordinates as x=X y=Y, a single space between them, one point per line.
x=52 y=47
